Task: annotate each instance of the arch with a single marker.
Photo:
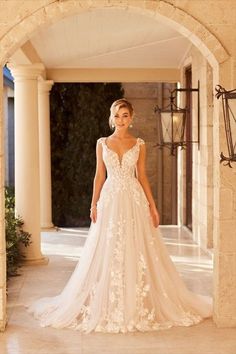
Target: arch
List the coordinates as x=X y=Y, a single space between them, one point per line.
x=181 y=21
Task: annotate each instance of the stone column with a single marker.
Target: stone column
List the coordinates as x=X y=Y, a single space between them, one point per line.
x=27 y=183
x=45 y=155
x=2 y=219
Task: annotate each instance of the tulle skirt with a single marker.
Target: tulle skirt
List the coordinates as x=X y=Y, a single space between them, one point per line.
x=125 y=279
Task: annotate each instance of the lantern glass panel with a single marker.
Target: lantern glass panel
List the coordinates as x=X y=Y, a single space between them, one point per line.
x=166 y=119
x=172 y=126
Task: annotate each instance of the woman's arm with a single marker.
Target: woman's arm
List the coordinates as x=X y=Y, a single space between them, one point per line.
x=99 y=179
x=142 y=177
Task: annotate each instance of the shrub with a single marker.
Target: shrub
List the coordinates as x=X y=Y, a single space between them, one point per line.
x=15 y=235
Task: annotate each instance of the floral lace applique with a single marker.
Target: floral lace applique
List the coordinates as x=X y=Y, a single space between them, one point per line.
x=146 y=316
x=115 y=313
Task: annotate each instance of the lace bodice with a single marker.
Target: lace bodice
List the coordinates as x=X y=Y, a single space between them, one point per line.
x=123 y=168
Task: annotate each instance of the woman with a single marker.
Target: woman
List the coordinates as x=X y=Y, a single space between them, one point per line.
x=125 y=279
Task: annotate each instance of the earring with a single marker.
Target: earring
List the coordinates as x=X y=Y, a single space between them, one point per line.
x=131 y=125
x=113 y=126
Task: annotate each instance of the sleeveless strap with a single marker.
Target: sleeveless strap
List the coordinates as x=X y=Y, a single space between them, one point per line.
x=141 y=141
x=101 y=141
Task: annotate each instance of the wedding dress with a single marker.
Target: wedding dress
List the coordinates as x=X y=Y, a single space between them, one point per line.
x=125 y=279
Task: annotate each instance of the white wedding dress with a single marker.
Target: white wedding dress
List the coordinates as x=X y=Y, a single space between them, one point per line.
x=125 y=279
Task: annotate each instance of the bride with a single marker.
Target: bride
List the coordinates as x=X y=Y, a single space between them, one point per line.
x=125 y=279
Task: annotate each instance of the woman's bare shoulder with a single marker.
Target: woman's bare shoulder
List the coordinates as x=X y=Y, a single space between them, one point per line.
x=101 y=140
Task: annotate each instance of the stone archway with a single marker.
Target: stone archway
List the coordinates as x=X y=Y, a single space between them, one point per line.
x=181 y=21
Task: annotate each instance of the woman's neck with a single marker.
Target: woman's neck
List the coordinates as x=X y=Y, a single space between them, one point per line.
x=121 y=134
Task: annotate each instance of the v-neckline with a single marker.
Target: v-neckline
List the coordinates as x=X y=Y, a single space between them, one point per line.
x=120 y=160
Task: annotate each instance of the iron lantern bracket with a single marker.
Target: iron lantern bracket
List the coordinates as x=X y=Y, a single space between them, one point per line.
x=225 y=95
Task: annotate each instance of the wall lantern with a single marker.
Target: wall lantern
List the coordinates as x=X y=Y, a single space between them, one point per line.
x=229 y=112
x=172 y=122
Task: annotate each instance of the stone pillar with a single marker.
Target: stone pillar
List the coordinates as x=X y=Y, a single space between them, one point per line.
x=27 y=183
x=2 y=219
x=45 y=154
x=224 y=214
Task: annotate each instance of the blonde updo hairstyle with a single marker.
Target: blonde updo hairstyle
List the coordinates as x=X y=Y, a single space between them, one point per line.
x=116 y=105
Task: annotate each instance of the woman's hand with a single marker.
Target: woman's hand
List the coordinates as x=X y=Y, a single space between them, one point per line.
x=155 y=216
x=93 y=214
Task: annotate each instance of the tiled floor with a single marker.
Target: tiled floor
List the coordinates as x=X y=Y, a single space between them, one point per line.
x=24 y=336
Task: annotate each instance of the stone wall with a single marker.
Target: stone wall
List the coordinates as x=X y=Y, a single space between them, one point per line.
x=202 y=182
x=161 y=169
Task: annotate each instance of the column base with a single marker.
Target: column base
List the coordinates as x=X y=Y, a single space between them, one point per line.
x=39 y=261
x=48 y=227
x=3 y=324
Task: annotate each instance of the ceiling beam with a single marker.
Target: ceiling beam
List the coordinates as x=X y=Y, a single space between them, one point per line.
x=113 y=75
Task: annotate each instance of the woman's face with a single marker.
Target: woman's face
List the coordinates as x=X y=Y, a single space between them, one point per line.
x=122 y=118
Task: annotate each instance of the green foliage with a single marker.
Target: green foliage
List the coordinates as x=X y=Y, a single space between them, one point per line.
x=79 y=116
x=15 y=235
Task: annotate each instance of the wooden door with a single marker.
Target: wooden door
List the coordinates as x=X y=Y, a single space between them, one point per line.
x=189 y=158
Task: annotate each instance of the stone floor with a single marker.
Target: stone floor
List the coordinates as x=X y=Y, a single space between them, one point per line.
x=24 y=336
